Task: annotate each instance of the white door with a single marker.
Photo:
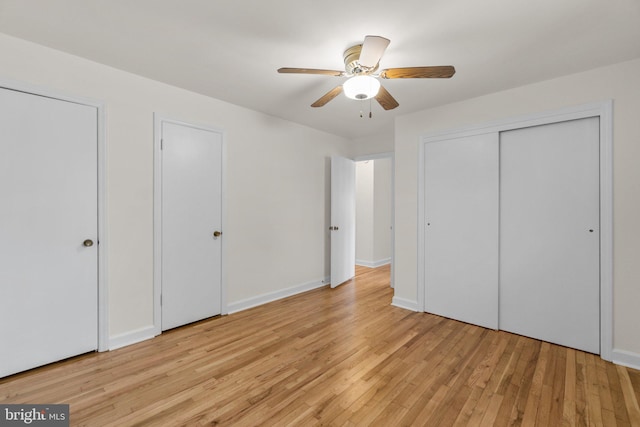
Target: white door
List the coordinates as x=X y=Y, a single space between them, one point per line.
x=549 y=237
x=191 y=215
x=461 y=229
x=48 y=189
x=343 y=220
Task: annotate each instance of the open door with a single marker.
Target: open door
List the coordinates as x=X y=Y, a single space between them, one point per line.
x=343 y=220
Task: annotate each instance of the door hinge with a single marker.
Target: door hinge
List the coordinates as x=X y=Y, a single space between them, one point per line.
x=160 y=299
x=161 y=144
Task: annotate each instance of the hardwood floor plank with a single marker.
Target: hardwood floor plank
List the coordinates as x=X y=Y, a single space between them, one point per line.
x=569 y=398
x=593 y=393
x=557 y=385
x=630 y=398
x=620 y=410
x=535 y=394
x=338 y=357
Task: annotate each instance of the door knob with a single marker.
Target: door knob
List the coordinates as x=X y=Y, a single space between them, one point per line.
x=87 y=243
x=217 y=234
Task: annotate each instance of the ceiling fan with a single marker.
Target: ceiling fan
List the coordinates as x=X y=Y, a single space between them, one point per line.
x=361 y=65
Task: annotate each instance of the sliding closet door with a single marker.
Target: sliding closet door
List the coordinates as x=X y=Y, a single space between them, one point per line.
x=549 y=234
x=461 y=237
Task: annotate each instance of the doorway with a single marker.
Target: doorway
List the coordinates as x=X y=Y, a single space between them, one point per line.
x=374 y=211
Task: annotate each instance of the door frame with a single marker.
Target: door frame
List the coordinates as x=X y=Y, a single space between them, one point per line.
x=603 y=110
x=101 y=208
x=388 y=155
x=158 y=120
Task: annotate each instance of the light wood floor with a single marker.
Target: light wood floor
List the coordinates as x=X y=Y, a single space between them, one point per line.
x=342 y=357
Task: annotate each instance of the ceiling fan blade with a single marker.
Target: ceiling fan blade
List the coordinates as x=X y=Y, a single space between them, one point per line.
x=385 y=99
x=373 y=48
x=439 y=72
x=310 y=71
x=328 y=96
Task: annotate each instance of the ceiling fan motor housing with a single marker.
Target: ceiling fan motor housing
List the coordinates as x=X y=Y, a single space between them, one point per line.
x=351 y=61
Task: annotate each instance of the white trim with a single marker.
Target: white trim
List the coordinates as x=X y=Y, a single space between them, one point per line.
x=387 y=155
x=276 y=295
x=132 y=337
x=603 y=110
x=157 y=224
x=373 y=264
x=421 y=229
x=407 y=304
x=224 y=309
x=103 y=309
x=103 y=241
x=158 y=119
x=626 y=358
x=606 y=230
x=519 y=122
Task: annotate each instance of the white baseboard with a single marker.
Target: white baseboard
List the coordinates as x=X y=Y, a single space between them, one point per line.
x=626 y=358
x=132 y=337
x=245 y=304
x=373 y=264
x=404 y=303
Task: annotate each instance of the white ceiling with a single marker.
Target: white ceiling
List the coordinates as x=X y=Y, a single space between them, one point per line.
x=231 y=50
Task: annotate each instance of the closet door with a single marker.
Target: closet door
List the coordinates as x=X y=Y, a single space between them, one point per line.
x=461 y=229
x=549 y=233
x=191 y=224
x=48 y=230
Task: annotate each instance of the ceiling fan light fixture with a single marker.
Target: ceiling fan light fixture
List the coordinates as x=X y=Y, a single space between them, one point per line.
x=361 y=87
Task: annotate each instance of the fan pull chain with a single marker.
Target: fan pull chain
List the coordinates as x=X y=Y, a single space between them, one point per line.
x=370 y=114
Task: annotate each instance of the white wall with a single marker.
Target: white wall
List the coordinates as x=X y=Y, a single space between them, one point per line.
x=374 y=144
x=277 y=181
x=620 y=82
x=382 y=210
x=364 y=212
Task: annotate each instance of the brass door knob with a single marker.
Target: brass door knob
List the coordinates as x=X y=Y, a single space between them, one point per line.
x=87 y=243
x=217 y=233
